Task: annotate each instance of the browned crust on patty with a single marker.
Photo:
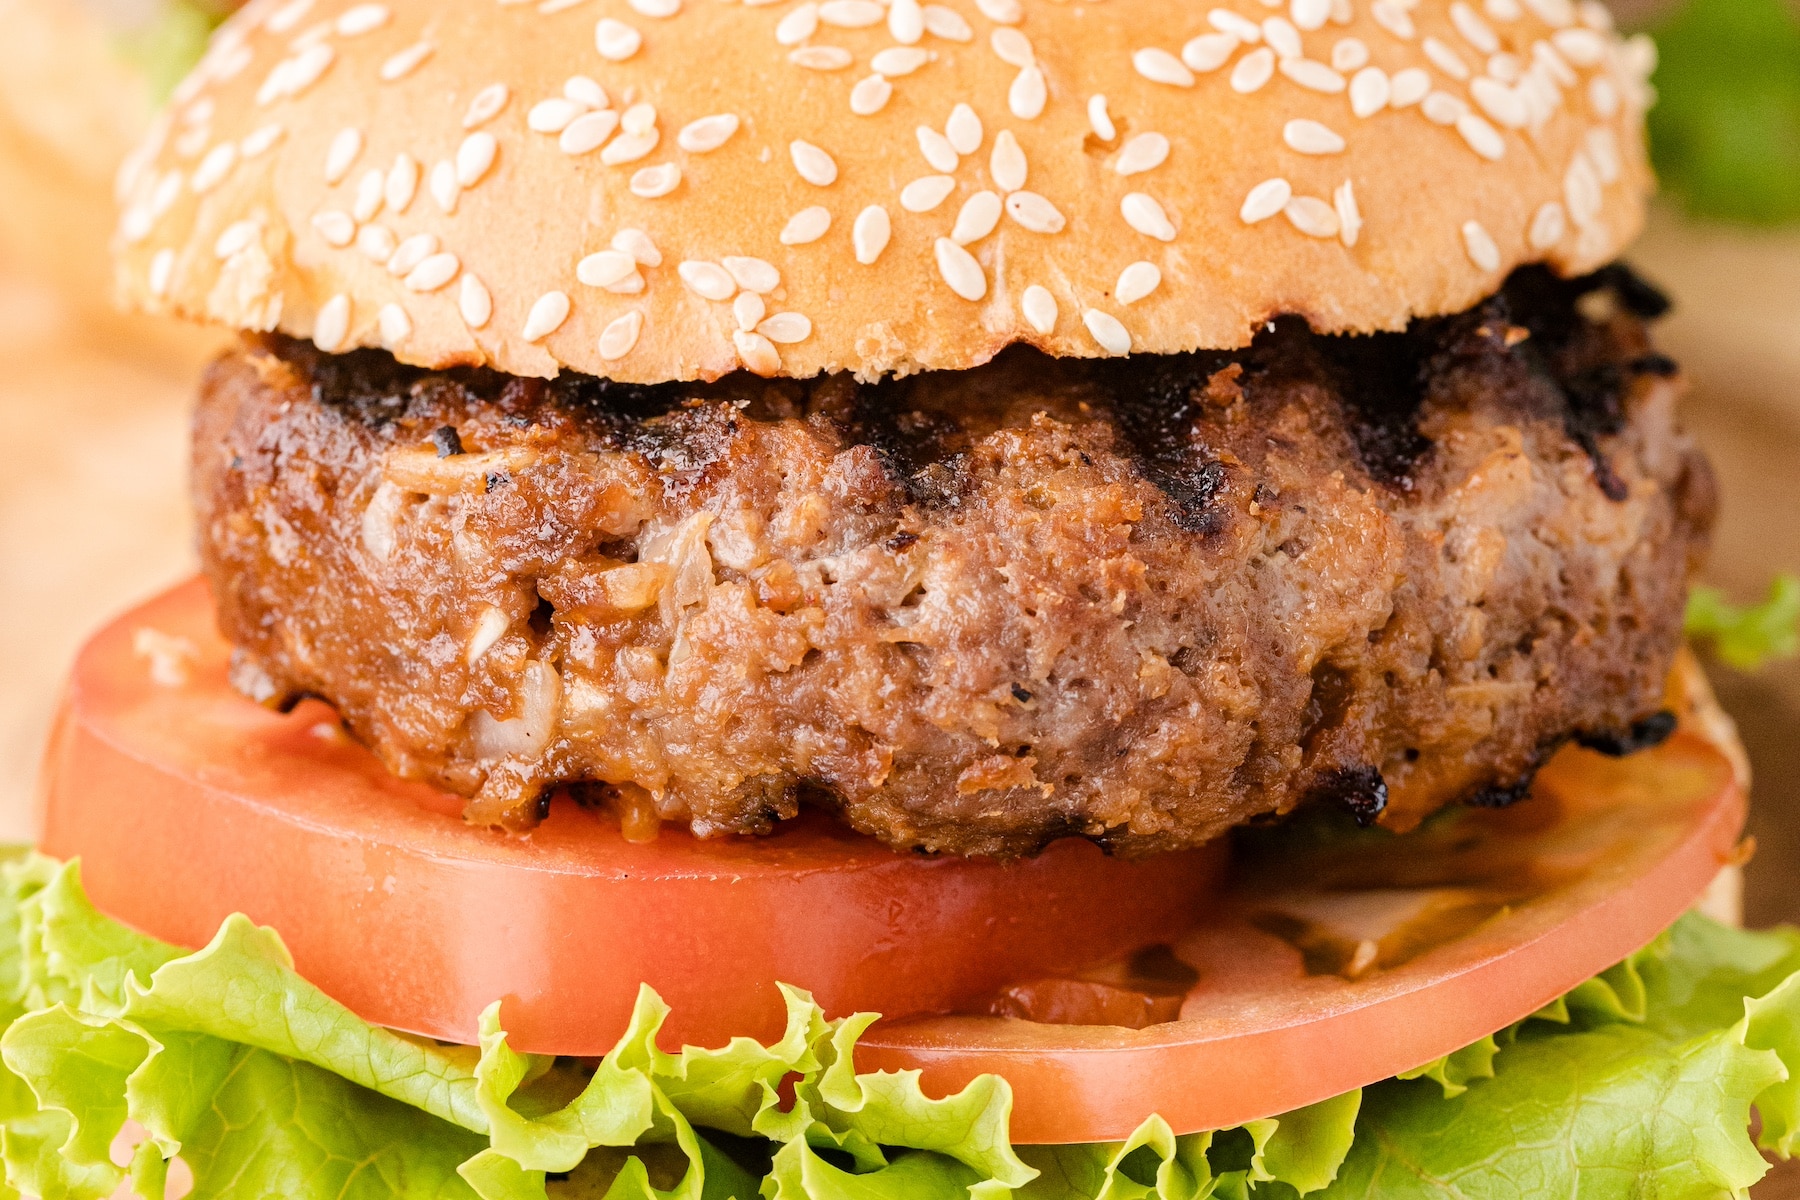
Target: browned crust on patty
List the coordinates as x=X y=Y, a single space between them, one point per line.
x=1141 y=601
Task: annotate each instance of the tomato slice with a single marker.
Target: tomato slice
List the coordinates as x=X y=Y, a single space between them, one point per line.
x=1328 y=967
x=1120 y=988
x=186 y=802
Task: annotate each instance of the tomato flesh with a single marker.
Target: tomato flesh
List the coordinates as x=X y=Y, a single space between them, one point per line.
x=187 y=803
x=1322 y=965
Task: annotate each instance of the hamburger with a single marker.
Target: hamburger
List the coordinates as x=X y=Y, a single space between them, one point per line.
x=1146 y=546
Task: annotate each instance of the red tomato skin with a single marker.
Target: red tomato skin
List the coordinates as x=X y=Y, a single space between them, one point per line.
x=188 y=803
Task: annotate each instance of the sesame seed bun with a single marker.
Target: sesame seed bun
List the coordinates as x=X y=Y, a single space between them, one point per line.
x=671 y=189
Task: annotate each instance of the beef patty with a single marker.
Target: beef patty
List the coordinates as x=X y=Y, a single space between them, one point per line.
x=1139 y=600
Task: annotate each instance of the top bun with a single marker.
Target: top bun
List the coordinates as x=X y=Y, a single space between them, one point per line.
x=670 y=189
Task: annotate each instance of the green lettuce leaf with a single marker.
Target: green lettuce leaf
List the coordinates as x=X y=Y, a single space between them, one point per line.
x=124 y=1060
x=1747 y=636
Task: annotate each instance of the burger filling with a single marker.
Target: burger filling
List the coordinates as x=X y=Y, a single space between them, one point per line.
x=1140 y=600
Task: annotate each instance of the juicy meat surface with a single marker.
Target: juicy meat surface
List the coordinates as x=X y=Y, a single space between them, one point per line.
x=1140 y=600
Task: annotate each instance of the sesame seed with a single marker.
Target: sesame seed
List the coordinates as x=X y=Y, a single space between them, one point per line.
x=376 y=242
x=631 y=285
x=410 y=253
x=443 y=186
x=786 y=328
x=405 y=63
x=475 y=158
x=486 y=105
x=1408 y=87
x=1159 y=66
x=162 y=272
x=1507 y=68
x=547 y=315
x=960 y=270
x=1265 y=200
x=1638 y=56
x=1100 y=120
x=757 y=353
x=1012 y=47
x=1253 y=71
x=657 y=9
x=1148 y=217
x=814 y=165
x=1604 y=151
x=1145 y=152
x=708 y=280
x=1553 y=12
x=1004 y=12
x=1581 y=190
x=364 y=18
x=394 y=324
x=870 y=95
x=1391 y=17
x=307 y=68
x=369 y=195
x=1482 y=137
x=1548 y=225
x=474 y=302
x=1603 y=96
x=798 y=25
x=621 y=335
x=1369 y=91
x=906 y=21
x=937 y=149
x=1007 y=162
x=896 y=61
x=287 y=16
x=1208 y=52
x=1480 y=245
x=1310 y=14
x=821 y=58
x=136 y=223
x=926 y=193
x=615 y=40
x=947 y=23
x=168 y=190
x=963 y=130
x=588 y=132
x=1441 y=108
x=214 y=167
x=869 y=235
x=1314 y=76
x=851 y=14
x=639 y=119
x=637 y=243
x=1236 y=25
x=552 y=115
x=747 y=308
x=629 y=148
x=402 y=183
x=1503 y=104
x=342 y=154
x=1544 y=55
x=434 y=273
x=585 y=91
x=1342 y=12
x=1137 y=281
x=1312 y=137
x=1503 y=10
x=332 y=326
x=1311 y=216
x=605 y=268
x=1039 y=307
x=977 y=218
x=1106 y=330
x=806 y=226
x=1282 y=37
x=1028 y=94
x=1445 y=59
x=236 y=238
x=1034 y=212
x=261 y=141
x=1473 y=29
x=1596 y=16
x=1583 y=47
x=653 y=183
x=338 y=228
x=1349 y=54
x=707 y=134
x=1348 y=214
x=752 y=274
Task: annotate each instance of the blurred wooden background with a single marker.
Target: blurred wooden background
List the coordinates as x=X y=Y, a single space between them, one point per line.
x=93 y=513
